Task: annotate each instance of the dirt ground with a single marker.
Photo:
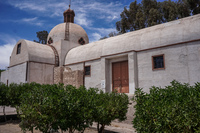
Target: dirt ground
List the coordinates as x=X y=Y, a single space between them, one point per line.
x=14 y=128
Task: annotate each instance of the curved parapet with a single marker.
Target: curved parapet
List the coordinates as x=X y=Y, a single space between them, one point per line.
x=26 y=50
x=172 y=33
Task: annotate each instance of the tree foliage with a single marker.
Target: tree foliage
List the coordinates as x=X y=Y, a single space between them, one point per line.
x=42 y=37
x=109 y=106
x=150 y=12
x=173 y=109
x=53 y=107
x=4 y=100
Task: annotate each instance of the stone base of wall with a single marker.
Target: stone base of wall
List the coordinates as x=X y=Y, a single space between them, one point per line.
x=58 y=75
x=68 y=77
x=74 y=78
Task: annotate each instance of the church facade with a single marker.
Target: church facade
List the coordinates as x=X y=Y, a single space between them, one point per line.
x=150 y=56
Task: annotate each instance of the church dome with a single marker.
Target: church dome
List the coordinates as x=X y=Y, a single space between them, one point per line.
x=75 y=33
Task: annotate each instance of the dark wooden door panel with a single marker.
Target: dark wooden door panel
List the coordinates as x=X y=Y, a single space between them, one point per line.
x=116 y=70
x=120 y=77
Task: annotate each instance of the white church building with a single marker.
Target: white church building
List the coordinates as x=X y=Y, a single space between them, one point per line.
x=143 y=58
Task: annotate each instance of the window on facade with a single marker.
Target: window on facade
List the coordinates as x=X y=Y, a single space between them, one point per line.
x=18 y=48
x=158 y=62
x=81 y=41
x=87 y=70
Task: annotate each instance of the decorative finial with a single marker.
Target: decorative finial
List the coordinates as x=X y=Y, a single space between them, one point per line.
x=69 y=14
x=69 y=3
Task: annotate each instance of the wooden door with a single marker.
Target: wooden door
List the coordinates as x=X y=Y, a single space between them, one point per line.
x=120 y=78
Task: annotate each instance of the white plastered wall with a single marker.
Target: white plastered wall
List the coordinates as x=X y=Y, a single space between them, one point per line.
x=101 y=71
x=15 y=74
x=4 y=76
x=94 y=80
x=182 y=63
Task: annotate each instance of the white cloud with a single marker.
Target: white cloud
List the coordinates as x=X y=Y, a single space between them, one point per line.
x=99 y=33
x=43 y=7
x=95 y=37
x=31 y=5
x=86 y=11
x=31 y=21
x=103 y=31
x=81 y=19
x=109 y=11
x=6 y=49
x=89 y=14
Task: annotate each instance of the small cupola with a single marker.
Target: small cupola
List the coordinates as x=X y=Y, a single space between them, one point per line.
x=69 y=16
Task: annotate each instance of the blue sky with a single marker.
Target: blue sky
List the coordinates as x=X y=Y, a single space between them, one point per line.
x=21 y=19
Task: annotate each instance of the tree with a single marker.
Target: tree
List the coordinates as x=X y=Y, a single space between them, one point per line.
x=108 y=107
x=172 y=109
x=42 y=37
x=150 y=12
x=145 y=14
x=183 y=9
x=194 y=6
x=169 y=10
x=4 y=101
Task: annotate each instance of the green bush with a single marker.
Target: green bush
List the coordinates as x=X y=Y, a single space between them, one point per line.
x=47 y=107
x=39 y=107
x=108 y=107
x=173 y=109
x=4 y=101
x=76 y=108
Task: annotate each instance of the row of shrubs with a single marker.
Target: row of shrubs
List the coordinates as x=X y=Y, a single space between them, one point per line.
x=59 y=107
x=172 y=109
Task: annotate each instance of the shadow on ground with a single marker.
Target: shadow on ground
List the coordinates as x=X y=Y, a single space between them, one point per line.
x=10 y=118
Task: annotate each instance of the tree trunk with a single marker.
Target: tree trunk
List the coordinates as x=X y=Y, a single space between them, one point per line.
x=71 y=130
x=4 y=113
x=98 y=127
x=102 y=129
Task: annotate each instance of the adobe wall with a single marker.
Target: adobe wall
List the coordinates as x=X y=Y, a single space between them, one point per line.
x=40 y=73
x=19 y=58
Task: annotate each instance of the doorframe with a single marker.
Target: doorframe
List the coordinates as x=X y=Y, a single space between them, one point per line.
x=113 y=59
x=120 y=72
x=132 y=69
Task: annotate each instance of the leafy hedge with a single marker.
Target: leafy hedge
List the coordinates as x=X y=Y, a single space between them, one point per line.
x=173 y=109
x=54 y=107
